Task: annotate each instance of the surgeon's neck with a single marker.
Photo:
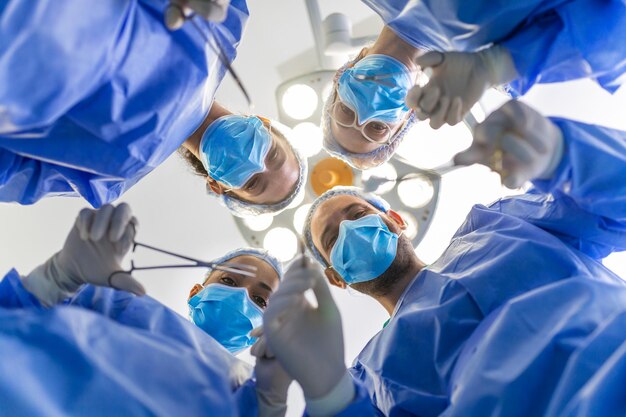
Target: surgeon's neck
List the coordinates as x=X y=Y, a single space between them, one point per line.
x=390 y=44
x=390 y=300
x=192 y=144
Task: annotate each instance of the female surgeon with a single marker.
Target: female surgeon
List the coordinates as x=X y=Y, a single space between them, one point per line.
x=93 y=97
x=517 y=44
x=80 y=348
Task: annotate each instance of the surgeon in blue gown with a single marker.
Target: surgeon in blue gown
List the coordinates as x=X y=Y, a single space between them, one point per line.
x=470 y=46
x=77 y=347
x=93 y=97
x=518 y=317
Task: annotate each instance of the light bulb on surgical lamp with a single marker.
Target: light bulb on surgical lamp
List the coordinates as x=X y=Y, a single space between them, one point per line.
x=259 y=223
x=299 y=217
x=282 y=243
x=416 y=192
x=299 y=101
x=307 y=138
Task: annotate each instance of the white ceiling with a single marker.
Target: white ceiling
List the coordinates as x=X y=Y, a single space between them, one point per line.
x=174 y=212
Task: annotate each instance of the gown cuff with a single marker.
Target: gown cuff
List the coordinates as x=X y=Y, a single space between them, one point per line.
x=41 y=285
x=333 y=402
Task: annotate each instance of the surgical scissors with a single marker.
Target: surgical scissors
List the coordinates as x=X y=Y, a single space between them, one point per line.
x=234 y=267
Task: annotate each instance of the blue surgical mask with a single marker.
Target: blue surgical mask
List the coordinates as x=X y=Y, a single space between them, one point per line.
x=227 y=314
x=365 y=248
x=381 y=100
x=233 y=149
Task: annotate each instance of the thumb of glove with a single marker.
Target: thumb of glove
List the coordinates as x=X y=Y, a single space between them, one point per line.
x=430 y=59
x=124 y=281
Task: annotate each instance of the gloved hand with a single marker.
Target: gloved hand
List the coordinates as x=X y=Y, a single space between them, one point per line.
x=308 y=340
x=458 y=81
x=212 y=10
x=92 y=252
x=272 y=381
x=517 y=142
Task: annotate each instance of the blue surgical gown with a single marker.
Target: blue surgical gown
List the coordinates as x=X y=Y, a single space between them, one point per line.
x=110 y=353
x=95 y=94
x=518 y=317
x=549 y=40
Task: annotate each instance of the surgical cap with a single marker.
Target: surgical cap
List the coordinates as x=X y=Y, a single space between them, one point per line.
x=367 y=160
x=257 y=253
x=241 y=208
x=373 y=199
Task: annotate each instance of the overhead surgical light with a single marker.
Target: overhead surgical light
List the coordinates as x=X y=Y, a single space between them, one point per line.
x=307 y=138
x=299 y=101
x=282 y=243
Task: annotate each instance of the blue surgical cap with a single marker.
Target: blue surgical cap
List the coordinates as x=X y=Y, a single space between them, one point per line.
x=258 y=253
x=367 y=160
x=241 y=208
x=373 y=199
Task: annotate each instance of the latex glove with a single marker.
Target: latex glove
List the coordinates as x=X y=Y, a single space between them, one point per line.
x=308 y=339
x=92 y=252
x=458 y=81
x=517 y=142
x=272 y=381
x=178 y=10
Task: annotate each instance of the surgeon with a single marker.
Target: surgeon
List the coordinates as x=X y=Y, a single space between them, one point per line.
x=81 y=348
x=120 y=93
x=513 y=44
x=518 y=317
x=240 y=158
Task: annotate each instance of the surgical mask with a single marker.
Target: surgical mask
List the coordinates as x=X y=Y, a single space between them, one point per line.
x=233 y=149
x=381 y=99
x=365 y=248
x=227 y=314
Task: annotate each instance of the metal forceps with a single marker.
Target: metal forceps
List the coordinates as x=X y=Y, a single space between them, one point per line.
x=217 y=48
x=234 y=267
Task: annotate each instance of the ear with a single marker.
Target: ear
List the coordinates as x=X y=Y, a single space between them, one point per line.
x=195 y=290
x=215 y=186
x=397 y=219
x=334 y=278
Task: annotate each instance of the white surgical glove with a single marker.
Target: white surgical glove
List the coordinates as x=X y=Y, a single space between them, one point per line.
x=308 y=340
x=272 y=381
x=458 y=81
x=212 y=10
x=517 y=142
x=92 y=252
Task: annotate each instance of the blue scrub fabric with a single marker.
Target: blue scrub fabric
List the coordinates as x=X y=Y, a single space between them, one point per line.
x=549 y=40
x=518 y=317
x=95 y=95
x=109 y=353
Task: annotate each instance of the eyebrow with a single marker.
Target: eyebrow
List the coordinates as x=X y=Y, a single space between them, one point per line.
x=264 y=286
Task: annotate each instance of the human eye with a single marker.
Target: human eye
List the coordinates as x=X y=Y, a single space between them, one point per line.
x=380 y=127
x=260 y=301
x=226 y=280
x=253 y=183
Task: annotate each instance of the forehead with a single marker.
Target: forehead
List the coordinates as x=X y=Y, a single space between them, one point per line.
x=264 y=272
x=330 y=210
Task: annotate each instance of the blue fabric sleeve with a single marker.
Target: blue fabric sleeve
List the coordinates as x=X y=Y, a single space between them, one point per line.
x=245 y=397
x=590 y=188
x=13 y=294
x=76 y=57
x=361 y=406
x=578 y=39
x=556 y=351
x=25 y=180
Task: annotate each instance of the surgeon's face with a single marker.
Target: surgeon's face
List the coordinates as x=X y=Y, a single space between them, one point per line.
x=353 y=139
x=329 y=215
x=279 y=179
x=260 y=287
